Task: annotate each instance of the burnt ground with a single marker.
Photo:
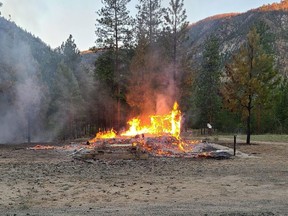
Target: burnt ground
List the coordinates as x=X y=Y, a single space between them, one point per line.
x=51 y=182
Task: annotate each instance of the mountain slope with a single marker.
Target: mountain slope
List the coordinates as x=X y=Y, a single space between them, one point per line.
x=231 y=29
x=27 y=68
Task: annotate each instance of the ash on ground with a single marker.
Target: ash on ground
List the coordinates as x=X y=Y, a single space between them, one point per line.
x=141 y=147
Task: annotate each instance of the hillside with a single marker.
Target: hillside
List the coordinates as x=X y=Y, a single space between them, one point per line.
x=37 y=85
x=231 y=29
x=283 y=5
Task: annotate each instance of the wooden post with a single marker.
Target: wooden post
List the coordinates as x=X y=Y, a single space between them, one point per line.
x=235 y=145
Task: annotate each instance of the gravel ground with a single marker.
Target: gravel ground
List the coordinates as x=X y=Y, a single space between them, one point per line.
x=52 y=183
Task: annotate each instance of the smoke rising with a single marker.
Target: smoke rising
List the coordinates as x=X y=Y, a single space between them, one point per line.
x=25 y=96
x=153 y=89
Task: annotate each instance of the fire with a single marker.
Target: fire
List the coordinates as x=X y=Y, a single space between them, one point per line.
x=159 y=124
x=104 y=135
x=176 y=121
x=42 y=147
x=135 y=128
x=161 y=137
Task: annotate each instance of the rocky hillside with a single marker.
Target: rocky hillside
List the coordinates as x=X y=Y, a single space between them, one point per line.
x=231 y=29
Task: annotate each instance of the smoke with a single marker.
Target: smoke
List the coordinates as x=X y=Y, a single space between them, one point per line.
x=168 y=94
x=22 y=98
x=153 y=89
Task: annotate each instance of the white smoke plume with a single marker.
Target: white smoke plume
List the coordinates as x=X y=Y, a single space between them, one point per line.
x=26 y=97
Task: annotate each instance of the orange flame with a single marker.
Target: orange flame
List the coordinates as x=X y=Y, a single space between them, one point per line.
x=169 y=124
x=104 y=135
x=159 y=124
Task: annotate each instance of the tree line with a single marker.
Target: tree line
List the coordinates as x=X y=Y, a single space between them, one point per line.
x=143 y=65
x=241 y=93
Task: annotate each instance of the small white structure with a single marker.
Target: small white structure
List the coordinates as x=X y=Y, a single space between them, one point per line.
x=209 y=126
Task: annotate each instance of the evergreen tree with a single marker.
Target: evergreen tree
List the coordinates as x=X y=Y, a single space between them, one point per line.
x=113 y=25
x=249 y=79
x=176 y=29
x=281 y=107
x=208 y=81
x=148 y=79
x=66 y=101
x=267 y=38
x=187 y=90
x=104 y=72
x=140 y=95
x=70 y=52
x=112 y=32
x=149 y=20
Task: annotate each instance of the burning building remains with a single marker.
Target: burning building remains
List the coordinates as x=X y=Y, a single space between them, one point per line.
x=159 y=138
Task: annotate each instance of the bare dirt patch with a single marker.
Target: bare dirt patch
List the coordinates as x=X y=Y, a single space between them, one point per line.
x=51 y=182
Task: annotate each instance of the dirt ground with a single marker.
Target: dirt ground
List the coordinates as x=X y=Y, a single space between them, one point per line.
x=51 y=182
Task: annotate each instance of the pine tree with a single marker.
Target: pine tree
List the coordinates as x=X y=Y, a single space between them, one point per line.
x=249 y=79
x=143 y=70
x=149 y=20
x=113 y=25
x=281 y=107
x=176 y=29
x=147 y=79
x=208 y=99
x=70 y=52
x=66 y=101
x=112 y=30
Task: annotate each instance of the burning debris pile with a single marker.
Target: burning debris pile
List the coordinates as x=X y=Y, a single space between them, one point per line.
x=160 y=138
x=141 y=147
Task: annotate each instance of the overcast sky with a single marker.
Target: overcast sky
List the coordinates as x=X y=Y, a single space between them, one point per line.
x=54 y=20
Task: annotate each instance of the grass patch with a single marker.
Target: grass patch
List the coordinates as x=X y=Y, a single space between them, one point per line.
x=255 y=138
x=270 y=137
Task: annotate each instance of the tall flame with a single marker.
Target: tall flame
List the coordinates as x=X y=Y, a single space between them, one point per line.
x=176 y=121
x=159 y=124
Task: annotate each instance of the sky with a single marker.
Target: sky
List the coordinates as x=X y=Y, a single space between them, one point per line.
x=54 y=20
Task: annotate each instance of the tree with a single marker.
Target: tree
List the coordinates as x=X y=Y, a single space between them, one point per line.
x=70 y=52
x=140 y=91
x=147 y=79
x=176 y=29
x=68 y=69
x=66 y=101
x=281 y=113
x=187 y=90
x=249 y=79
x=113 y=25
x=113 y=29
x=208 y=81
x=267 y=38
x=149 y=20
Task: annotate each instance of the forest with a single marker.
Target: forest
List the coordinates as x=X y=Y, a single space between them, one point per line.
x=141 y=65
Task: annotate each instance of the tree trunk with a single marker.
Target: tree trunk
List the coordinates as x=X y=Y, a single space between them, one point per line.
x=248 y=130
x=118 y=109
x=174 y=52
x=249 y=120
x=116 y=69
x=150 y=23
